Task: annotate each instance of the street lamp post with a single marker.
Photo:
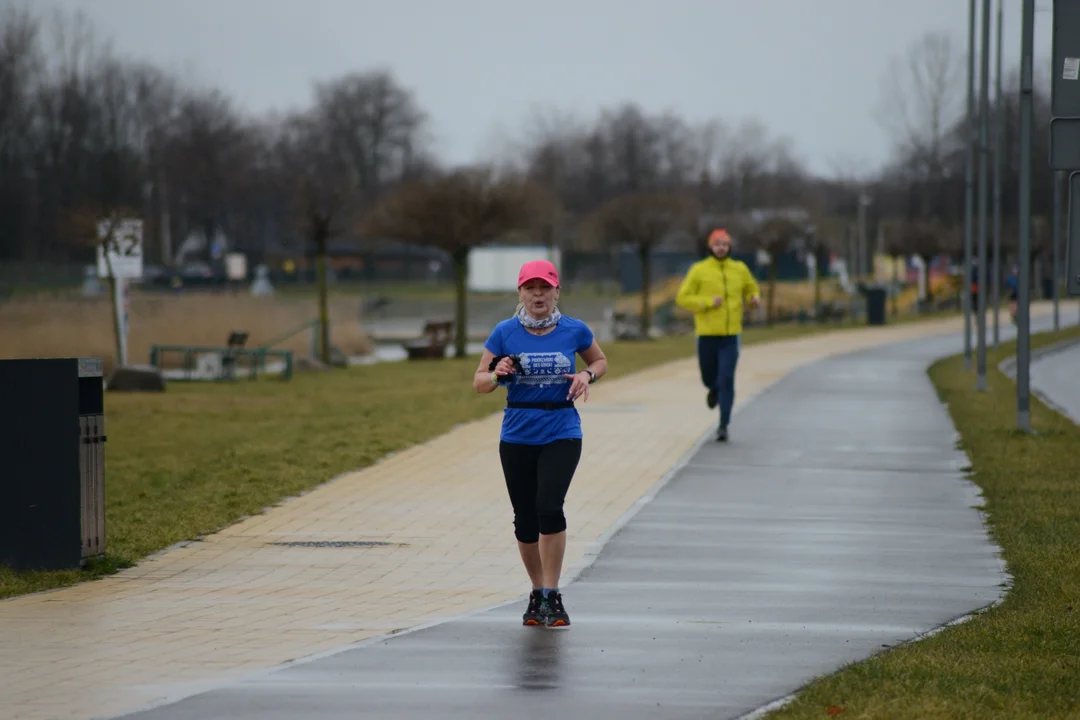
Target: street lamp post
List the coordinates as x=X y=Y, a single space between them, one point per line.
x=969 y=183
x=1023 y=314
x=984 y=166
x=999 y=131
x=1055 y=252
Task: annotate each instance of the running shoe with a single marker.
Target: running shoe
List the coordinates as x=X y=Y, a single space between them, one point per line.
x=556 y=613
x=535 y=613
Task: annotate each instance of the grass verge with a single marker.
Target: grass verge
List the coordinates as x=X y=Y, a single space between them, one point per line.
x=199 y=457
x=1020 y=659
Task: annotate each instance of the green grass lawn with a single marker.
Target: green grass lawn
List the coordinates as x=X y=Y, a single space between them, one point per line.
x=199 y=457
x=1020 y=659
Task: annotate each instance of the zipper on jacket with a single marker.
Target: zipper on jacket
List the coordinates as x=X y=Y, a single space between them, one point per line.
x=727 y=306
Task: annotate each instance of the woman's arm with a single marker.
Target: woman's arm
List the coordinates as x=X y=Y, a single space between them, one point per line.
x=483 y=379
x=579 y=382
x=595 y=359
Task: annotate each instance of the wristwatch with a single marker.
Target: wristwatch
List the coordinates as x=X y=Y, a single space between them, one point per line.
x=592 y=376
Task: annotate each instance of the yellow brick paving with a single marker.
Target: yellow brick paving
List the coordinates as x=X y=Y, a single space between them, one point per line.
x=231 y=604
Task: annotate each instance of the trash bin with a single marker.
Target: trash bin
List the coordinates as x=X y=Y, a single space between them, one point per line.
x=52 y=435
x=875 y=305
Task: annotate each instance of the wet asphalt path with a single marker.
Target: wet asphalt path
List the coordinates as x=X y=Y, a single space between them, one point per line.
x=837 y=522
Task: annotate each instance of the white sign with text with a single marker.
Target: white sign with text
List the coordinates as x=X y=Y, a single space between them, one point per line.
x=123 y=251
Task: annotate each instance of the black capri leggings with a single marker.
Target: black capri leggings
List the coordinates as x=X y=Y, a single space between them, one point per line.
x=537 y=478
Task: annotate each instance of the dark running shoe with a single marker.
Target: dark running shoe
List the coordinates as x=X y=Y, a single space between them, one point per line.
x=710 y=399
x=721 y=434
x=556 y=613
x=536 y=612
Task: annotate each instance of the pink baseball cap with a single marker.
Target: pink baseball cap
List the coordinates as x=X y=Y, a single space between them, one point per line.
x=538 y=270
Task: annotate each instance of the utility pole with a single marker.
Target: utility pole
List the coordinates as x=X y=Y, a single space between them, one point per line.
x=1055 y=238
x=1023 y=311
x=984 y=167
x=969 y=184
x=999 y=131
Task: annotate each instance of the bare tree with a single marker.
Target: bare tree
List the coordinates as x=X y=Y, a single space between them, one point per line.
x=376 y=124
x=676 y=151
x=561 y=152
x=921 y=101
x=455 y=212
x=20 y=65
x=897 y=248
x=746 y=164
x=550 y=144
x=156 y=104
x=925 y=239
x=551 y=153
x=207 y=148
x=66 y=121
x=711 y=143
x=630 y=148
x=323 y=201
x=777 y=234
x=642 y=220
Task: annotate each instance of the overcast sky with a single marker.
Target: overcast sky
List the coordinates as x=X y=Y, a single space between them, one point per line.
x=810 y=70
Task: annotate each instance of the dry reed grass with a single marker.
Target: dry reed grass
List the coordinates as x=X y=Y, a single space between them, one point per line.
x=49 y=326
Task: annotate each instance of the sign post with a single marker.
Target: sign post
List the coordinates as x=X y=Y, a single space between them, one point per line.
x=1065 y=127
x=120 y=259
x=1072 y=255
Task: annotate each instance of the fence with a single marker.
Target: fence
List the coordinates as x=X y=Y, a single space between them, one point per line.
x=621 y=268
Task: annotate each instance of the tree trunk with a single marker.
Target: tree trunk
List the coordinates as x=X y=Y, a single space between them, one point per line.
x=818 y=269
x=770 y=315
x=646 y=277
x=321 y=241
x=896 y=285
x=929 y=287
x=461 y=313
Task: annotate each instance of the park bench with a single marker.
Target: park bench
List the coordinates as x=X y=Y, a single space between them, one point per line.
x=236 y=342
x=432 y=341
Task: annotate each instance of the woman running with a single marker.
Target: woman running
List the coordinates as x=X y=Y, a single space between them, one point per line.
x=532 y=355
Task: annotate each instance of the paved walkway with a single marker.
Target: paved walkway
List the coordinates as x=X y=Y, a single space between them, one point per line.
x=1056 y=377
x=215 y=611
x=837 y=521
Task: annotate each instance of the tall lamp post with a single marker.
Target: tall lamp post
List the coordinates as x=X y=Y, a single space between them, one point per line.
x=999 y=131
x=1023 y=314
x=969 y=184
x=984 y=166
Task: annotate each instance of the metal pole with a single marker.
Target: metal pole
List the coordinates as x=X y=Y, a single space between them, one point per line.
x=984 y=197
x=1055 y=237
x=999 y=131
x=1023 y=314
x=969 y=184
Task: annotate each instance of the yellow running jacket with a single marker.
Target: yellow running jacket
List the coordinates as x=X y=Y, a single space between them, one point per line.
x=729 y=279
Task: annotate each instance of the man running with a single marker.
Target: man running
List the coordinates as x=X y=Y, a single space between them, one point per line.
x=715 y=290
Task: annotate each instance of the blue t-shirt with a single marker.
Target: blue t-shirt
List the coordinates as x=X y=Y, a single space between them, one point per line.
x=544 y=361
